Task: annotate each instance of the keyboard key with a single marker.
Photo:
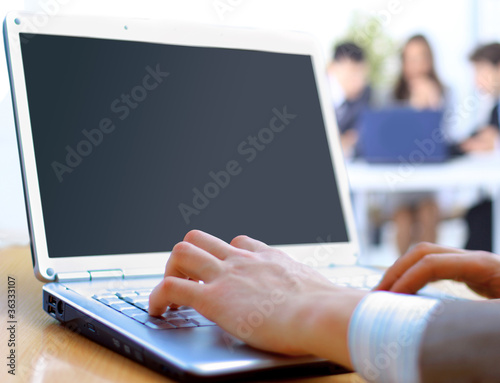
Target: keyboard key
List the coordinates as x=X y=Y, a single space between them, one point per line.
x=159 y=324
x=140 y=300
x=143 y=293
x=202 y=321
x=135 y=304
x=142 y=305
x=110 y=301
x=190 y=314
x=189 y=311
x=172 y=315
x=145 y=290
x=128 y=298
x=125 y=293
x=182 y=322
x=143 y=318
x=119 y=306
x=131 y=311
x=99 y=296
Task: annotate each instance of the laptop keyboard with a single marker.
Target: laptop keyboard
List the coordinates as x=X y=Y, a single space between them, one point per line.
x=359 y=282
x=135 y=304
x=368 y=282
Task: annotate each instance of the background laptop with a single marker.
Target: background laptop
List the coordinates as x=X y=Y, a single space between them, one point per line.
x=396 y=135
x=133 y=132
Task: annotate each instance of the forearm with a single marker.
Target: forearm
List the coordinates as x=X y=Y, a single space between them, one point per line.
x=377 y=334
x=462 y=343
x=325 y=323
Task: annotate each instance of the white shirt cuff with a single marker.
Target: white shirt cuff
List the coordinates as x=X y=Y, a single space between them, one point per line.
x=385 y=333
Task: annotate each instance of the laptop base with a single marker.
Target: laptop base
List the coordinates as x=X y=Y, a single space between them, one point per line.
x=89 y=325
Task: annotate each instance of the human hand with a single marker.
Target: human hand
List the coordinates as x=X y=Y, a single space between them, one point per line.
x=259 y=295
x=428 y=262
x=484 y=141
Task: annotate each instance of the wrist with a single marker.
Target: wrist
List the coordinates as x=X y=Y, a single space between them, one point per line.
x=325 y=322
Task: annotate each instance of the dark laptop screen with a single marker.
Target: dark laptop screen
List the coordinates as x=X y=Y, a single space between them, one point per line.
x=138 y=143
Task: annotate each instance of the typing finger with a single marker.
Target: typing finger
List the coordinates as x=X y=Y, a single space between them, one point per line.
x=209 y=243
x=172 y=290
x=189 y=261
x=246 y=243
x=434 y=267
x=409 y=259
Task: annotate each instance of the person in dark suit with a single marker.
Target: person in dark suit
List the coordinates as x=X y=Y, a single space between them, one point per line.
x=263 y=297
x=486 y=61
x=348 y=77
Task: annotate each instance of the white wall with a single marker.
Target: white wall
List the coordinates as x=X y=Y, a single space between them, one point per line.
x=13 y=228
x=450 y=25
x=488 y=23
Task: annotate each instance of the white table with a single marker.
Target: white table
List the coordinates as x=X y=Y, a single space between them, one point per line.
x=471 y=171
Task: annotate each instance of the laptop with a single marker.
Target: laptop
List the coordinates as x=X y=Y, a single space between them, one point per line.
x=133 y=132
x=402 y=135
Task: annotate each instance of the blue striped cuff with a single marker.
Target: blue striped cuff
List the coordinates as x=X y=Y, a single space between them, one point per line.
x=385 y=333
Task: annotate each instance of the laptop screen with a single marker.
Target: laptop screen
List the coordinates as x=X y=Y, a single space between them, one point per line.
x=138 y=143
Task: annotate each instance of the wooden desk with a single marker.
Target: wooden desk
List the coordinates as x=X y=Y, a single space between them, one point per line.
x=48 y=352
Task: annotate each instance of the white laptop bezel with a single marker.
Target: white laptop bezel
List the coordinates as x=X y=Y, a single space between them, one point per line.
x=318 y=254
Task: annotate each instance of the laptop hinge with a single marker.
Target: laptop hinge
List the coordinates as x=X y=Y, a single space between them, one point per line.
x=89 y=275
x=73 y=276
x=141 y=273
x=105 y=274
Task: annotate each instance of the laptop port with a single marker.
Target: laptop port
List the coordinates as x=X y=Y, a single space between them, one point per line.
x=52 y=310
x=60 y=307
x=52 y=300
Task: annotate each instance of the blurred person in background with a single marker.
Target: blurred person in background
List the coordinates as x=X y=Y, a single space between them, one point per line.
x=418 y=84
x=348 y=78
x=417 y=214
x=486 y=62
